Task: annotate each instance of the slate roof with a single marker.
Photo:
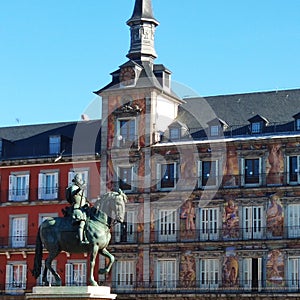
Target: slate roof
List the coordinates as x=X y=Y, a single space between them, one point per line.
x=278 y=107
x=32 y=141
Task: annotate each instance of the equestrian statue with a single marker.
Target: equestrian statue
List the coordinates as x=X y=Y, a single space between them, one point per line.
x=84 y=228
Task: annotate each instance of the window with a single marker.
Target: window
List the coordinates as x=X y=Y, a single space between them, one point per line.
x=166 y=274
x=76 y=273
x=167 y=174
x=18 y=225
x=48 y=185
x=209 y=273
x=214 y=130
x=174 y=133
x=126 y=132
x=251 y=273
x=251 y=169
x=19 y=187
x=125 y=275
x=208 y=173
x=294 y=273
x=256 y=127
x=16 y=277
x=125 y=232
x=294 y=220
x=167 y=225
x=293 y=163
x=252 y=222
x=297 y=124
x=85 y=178
x=54 y=144
x=209 y=224
x=125 y=178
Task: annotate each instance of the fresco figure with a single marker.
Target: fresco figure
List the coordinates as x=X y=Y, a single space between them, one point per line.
x=275 y=160
x=188 y=213
x=230 y=220
x=230 y=271
x=275 y=268
x=275 y=217
x=187 y=271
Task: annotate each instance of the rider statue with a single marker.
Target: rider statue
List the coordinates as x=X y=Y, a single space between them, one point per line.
x=75 y=196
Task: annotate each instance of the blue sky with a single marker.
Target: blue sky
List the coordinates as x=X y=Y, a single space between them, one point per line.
x=55 y=53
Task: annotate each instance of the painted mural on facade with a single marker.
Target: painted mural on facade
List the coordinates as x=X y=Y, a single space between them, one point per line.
x=231 y=168
x=230 y=220
x=187 y=271
x=230 y=269
x=275 y=165
x=187 y=220
x=275 y=268
x=275 y=217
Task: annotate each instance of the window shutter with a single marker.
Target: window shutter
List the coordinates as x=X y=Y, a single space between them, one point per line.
x=12 y=187
x=8 y=277
x=71 y=175
x=41 y=186
x=199 y=173
x=24 y=276
x=27 y=187
x=69 y=274
x=55 y=194
x=118 y=232
x=242 y=171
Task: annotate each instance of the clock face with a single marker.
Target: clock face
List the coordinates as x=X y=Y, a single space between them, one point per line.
x=127 y=76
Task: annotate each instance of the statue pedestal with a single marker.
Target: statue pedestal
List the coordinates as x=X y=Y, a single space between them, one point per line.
x=70 y=292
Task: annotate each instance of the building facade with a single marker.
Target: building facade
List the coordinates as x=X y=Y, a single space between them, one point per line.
x=213 y=185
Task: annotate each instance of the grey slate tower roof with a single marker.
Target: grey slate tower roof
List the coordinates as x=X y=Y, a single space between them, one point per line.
x=142 y=12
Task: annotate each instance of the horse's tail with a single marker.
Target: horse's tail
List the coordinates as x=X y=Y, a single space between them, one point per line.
x=36 y=272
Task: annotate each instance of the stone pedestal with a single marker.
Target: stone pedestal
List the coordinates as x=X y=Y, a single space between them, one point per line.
x=70 y=292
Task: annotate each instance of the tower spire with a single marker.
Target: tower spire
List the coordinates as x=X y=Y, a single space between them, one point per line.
x=142 y=27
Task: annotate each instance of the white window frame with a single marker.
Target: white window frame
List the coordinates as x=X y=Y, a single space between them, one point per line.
x=166 y=274
x=54 y=144
x=125 y=276
x=296 y=171
x=18 y=230
x=130 y=229
x=209 y=272
x=167 y=225
x=160 y=176
x=18 y=187
x=253 y=222
x=294 y=272
x=209 y=223
x=16 y=276
x=247 y=273
x=76 y=271
x=256 y=127
x=48 y=192
x=298 y=124
x=214 y=130
x=243 y=173
x=200 y=175
x=293 y=220
x=128 y=140
x=174 y=133
x=1 y=148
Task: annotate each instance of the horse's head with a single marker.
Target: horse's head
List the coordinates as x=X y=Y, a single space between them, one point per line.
x=113 y=204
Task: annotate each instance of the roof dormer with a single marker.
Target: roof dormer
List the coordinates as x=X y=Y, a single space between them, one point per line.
x=163 y=75
x=297 y=121
x=257 y=123
x=216 y=127
x=176 y=130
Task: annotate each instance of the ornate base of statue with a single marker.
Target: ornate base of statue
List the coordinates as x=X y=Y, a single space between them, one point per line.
x=70 y=292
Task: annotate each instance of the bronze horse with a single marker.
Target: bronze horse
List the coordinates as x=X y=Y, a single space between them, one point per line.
x=59 y=234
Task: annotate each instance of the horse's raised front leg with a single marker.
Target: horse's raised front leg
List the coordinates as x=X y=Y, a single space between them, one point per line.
x=48 y=262
x=93 y=256
x=111 y=258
